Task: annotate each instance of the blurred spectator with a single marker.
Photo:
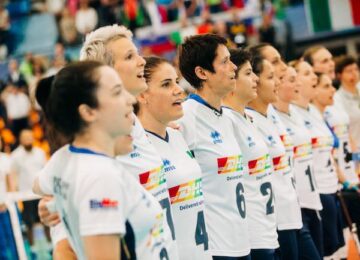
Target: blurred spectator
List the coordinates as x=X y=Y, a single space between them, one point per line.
x=55 y=6
x=86 y=18
x=220 y=28
x=67 y=26
x=26 y=162
x=15 y=77
x=4 y=29
x=236 y=29
x=26 y=67
x=17 y=106
x=134 y=14
x=267 y=30
x=207 y=24
x=215 y=6
x=107 y=12
x=192 y=7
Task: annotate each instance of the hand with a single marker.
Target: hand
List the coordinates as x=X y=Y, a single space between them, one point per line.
x=46 y=217
x=2 y=207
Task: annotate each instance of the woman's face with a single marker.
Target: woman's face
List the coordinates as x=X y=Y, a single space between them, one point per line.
x=268 y=84
x=129 y=64
x=273 y=56
x=325 y=91
x=115 y=111
x=307 y=80
x=246 y=83
x=289 y=87
x=164 y=96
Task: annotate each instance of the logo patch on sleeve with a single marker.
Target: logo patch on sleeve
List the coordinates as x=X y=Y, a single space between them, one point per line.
x=104 y=204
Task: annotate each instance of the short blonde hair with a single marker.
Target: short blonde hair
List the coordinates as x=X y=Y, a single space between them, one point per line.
x=95 y=45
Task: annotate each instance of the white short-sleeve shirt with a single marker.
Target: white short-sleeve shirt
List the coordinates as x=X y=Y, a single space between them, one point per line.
x=210 y=135
x=95 y=195
x=4 y=170
x=183 y=178
x=258 y=188
x=305 y=184
x=339 y=122
x=287 y=207
x=145 y=164
x=322 y=142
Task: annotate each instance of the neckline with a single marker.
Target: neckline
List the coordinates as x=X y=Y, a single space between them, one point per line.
x=166 y=139
x=199 y=99
x=81 y=150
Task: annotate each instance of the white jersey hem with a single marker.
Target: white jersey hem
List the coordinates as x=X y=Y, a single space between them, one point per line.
x=290 y=226
x=312 y=207
x=229 y=253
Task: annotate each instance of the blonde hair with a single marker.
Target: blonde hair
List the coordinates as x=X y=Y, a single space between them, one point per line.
x=95 y=45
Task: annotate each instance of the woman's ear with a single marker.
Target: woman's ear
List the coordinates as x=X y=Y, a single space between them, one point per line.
x=142 y=98
x=200 y=73
x=87 y=113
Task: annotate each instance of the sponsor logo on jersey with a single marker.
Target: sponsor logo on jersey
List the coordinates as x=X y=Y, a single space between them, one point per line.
x=216 y=137
x=280 y=162
x=340 y=130
x=134 y=153
x=274 y=119
x=104 y=204
x=153 y=178
x=271 y=140
x=185 y=191
x=168 y=166
x=287 y=142
x=302 y=150
x=259 y=165
x=308 y=124
x=322 y=142
x=250 y=141
x=229 y=164
x=290 y=131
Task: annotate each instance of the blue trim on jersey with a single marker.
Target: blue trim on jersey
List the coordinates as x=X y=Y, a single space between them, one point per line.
x=166 y=139
x=336 y=143
x=75 y=149
x=202 y=101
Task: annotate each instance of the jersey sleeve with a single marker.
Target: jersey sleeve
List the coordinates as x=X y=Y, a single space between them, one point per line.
x=44 y=178
x=101 y=204
x=188 y=129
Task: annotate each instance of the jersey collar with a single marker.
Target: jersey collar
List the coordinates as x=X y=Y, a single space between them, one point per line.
x=166 y=139
x=75 y=149
x=203 y=102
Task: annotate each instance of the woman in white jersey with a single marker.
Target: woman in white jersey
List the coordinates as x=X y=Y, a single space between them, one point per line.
x=113 y=45
x=287 y=208
x=158 y=106
x=308 y=194
x=324 y=167
x=258 y=188
x=97 y=199
x=205 y=63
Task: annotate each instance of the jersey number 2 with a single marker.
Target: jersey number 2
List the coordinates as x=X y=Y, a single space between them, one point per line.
x=266 y=189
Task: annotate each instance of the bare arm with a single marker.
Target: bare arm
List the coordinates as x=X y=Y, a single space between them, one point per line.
x=105 y=247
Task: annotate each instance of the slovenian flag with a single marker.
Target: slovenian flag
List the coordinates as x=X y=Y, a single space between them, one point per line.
x=332 y=15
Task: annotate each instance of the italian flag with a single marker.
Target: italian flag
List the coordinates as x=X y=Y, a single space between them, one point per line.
x=332 y=15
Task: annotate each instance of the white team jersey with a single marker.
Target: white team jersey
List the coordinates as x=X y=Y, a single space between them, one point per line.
x=305 y=185
x=339 y=122
x=287 y=208
x=210 y=135
x=4 y=170
x=145 y=164
x=322 y=142
x=96 y=196
x=284 y=136
x=183 y=178
x=258 y=189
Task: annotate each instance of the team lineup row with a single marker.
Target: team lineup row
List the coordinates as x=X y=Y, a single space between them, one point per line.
x=247 y=169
